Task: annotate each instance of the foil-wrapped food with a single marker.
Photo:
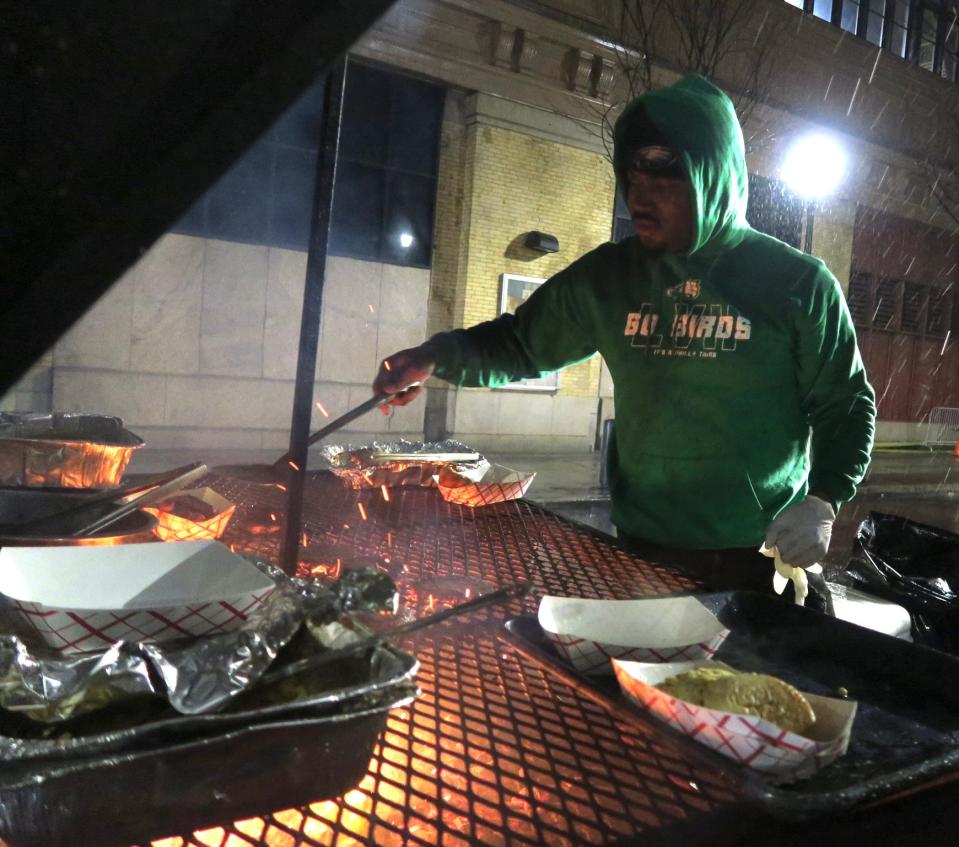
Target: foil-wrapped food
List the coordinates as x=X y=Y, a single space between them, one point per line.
x=64 y=450
x=56 y=704
x=401 y=463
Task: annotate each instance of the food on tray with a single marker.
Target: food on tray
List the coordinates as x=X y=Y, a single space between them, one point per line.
x=691 y=685
x=188 y=506
x=449 y=478
x=756 y=694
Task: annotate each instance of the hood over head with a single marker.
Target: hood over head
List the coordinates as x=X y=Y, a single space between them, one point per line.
x=699 y=121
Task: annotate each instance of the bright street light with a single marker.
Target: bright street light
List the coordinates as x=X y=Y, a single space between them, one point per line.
x=814 y=166
x=406 y=240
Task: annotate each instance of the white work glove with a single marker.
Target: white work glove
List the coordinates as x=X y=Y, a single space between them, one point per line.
x=801 y=533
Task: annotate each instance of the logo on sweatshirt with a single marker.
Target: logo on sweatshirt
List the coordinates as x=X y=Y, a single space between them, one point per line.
x=687 y=291
x=693 y=330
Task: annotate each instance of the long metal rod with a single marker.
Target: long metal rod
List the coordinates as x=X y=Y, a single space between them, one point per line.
x=339 y=423
x=312 y=310
x=509 y=592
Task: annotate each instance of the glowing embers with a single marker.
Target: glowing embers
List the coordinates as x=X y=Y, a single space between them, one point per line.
x=421 y=597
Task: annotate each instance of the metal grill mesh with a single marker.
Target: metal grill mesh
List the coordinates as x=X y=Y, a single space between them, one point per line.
x=496 y=750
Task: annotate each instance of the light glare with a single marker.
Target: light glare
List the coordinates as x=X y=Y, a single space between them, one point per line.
x=406 y=240
x=814 y=166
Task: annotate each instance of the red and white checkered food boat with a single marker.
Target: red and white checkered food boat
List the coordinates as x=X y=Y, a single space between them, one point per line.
x=497 y=485
x=779 y=754
x=588 y=633
x=82 y=599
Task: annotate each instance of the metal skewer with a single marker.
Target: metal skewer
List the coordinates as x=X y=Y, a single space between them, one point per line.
x=313 y=662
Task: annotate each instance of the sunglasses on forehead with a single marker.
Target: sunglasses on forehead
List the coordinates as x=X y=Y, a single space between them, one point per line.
x=658 y=160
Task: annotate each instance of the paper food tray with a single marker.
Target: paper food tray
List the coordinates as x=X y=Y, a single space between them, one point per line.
x=588 y=633
x=82 y=599
x=173 y=526
x=756 y=743
x=497 y=485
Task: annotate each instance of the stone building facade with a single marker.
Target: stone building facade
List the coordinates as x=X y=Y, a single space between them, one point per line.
x=195 y=347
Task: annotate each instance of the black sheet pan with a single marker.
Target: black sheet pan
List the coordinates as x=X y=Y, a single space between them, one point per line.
x=906 y=731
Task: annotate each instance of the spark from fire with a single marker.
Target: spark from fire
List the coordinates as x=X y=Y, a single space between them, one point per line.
x=272 y=516
x=468 y=592
x=280 y=485
x=386 y=493
x=293 y=465
x=430 y=603
x=322 y=409
x=362 y=510
x=346 y=526
x=389 y=538
x=387 y=365
x=370 y=307
x=304 y=540
x=945 y=343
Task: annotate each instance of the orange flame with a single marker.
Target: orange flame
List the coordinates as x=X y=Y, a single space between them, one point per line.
x=322 y=409
x=386 y=493
x=362 y=510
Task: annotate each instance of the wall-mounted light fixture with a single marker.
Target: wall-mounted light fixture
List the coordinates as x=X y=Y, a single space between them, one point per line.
x=542 y=242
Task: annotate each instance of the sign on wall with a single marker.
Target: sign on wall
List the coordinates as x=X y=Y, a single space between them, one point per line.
x=514 y=291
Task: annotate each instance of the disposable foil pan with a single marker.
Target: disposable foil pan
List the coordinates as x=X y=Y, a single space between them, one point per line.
x=190 y=676
x=340 y=689
x=64 y=450
x=415 y=463
x=160 y=790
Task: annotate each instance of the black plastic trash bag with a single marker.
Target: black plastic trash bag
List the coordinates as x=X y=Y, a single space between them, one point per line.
x=916 y=566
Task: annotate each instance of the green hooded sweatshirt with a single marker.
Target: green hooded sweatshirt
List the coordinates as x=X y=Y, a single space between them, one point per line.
x=739 y=386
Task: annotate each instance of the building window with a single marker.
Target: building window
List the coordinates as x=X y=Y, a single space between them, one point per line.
x=899 y=33
x=389 y=151
x=895 y=305
x=924 y=31
x=850 y=15
x=822 y=9
x=875 y=21
x=385 y=184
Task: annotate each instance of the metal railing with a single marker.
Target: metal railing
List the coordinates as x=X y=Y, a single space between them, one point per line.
x=942 y=426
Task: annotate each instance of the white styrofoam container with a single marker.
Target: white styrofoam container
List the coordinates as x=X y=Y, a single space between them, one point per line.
x=82 y=599
x=588 y=633
x=782 y=755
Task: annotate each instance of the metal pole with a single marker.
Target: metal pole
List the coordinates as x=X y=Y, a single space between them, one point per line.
x=807 y=239
x=312 y=309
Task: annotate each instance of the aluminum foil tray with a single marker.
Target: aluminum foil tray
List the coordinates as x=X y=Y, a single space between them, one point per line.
x=231 y=774
x=64 y=450
x=337 y=691
x=415 y=462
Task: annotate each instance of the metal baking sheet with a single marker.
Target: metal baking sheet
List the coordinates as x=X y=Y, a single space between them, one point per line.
x=342 y=687
x=229 y=775
x=906 y=731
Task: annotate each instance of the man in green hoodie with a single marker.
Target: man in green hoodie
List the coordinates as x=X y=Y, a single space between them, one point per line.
x=743 y=413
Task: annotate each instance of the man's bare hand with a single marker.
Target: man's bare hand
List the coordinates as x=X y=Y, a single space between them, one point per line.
x=402 y=374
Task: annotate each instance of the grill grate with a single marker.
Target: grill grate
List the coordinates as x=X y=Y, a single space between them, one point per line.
x=496 y=750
